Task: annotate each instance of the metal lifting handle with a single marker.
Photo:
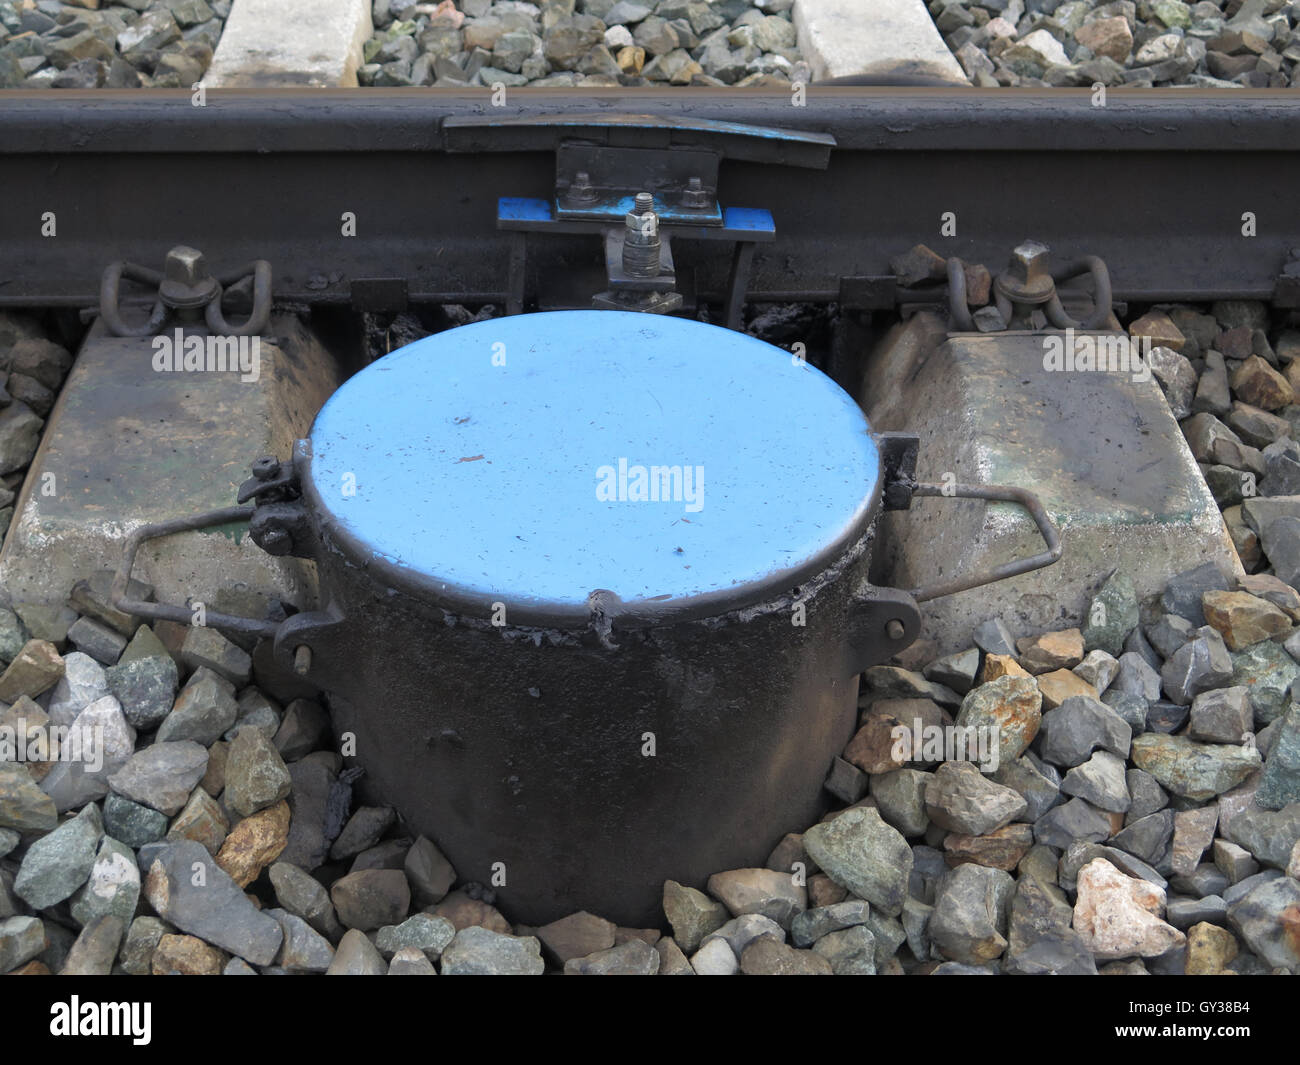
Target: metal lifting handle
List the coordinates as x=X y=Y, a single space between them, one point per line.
x=1003 y=494
x=180 y=614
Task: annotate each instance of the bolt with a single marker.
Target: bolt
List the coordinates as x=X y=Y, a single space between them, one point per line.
x=641 y=244
x=302 y=660
x=894 y=629
x=186 y=265
x=695 y=194
x=581 y=190
x=1027 y=278
x=264 y=469
x=186 y=282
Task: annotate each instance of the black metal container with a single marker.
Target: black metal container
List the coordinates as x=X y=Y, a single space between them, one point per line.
x=575 y=691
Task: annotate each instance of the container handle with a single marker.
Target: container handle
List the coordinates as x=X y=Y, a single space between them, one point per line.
x=1003 y=494
x=180 y=614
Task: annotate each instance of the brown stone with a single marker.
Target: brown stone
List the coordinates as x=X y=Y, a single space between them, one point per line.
x=32 y=968
x=919 y=264
x=1051 y=650
x=214 y=779
x=178 y=955
x=1160 y=328
x=1011 y=704
x=1062 y=684
x=768 y=956
x=1258 y=384
x=1209 y=949
x=254 y=843
x=1110 y=37
x=576 y=936
x=36 y=669
x=203 y=821
x=1243 y=619
x=1245 y=540
x=823 y=891
x=646 y=935
x=872 y=747
x=1001 y=849
x=1271 y=590
x=978 y=284
x=1193 y=833
x=1118 y=916
x=1235 y=343
x=996 y=666
x=630 y=59
x=462 y=911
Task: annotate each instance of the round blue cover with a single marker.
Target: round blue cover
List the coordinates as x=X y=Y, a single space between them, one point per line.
x=530 y=460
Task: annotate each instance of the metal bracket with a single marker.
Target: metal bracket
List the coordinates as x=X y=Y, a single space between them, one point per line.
x=1027 y=284
x=184 y=289
x=898 y=455
x=601 y=164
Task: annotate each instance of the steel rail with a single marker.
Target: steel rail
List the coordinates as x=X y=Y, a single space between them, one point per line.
x=259 y=174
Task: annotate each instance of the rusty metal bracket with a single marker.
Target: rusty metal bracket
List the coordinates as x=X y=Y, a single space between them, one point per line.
x=1028 y=284
x=1002 y=494
x=898 y=456
x=184 y=289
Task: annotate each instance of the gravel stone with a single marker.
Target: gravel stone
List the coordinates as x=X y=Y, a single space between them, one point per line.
x=134 y=824
x=202 y=821
x=357 y=956
x=162 y=776
x=1118 y=916
x=970 y=914
x=477 y=952
x=1099 y=780
x=865 y=855
x=215 y=910
x=691 y=914
x=1193 y=770
x=1072 y=731
x=1011 y=705
x=304 y=729
x=371 y=898
x=204 y=710
x=1148 y=838
x=82 y=777
x=146 y=688
x=423 y=932
x=60 y=862
x=82 y=683
x=1040 y=941
x=1039 y=785
x=1265 y=918
x=1072 y=821
x=634 y=957
x=256 y=776
x=1196 y=667
x=959 y=798
x=97 y=640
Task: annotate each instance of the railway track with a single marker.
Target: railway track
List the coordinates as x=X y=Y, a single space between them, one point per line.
x=1129 y=679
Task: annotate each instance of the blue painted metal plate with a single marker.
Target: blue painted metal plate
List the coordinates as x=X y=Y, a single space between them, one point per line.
x=531 y=460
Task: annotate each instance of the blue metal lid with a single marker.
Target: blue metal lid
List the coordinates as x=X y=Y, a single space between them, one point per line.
x=534 y=459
